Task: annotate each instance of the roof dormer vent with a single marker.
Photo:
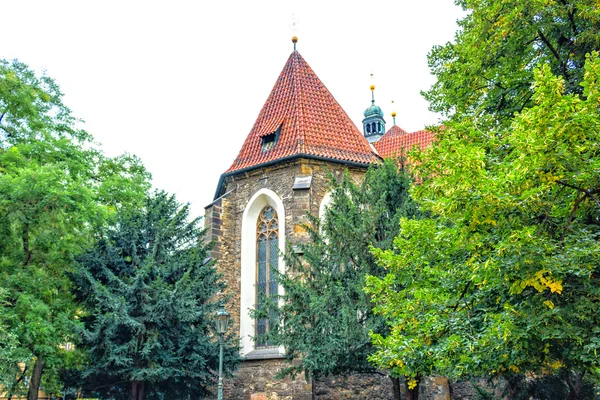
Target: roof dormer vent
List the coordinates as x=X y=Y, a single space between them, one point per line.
x=269 y=141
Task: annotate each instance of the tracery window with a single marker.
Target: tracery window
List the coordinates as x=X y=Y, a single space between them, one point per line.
x=267 y=260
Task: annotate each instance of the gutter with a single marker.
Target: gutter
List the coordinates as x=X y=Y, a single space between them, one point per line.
x=287 y=158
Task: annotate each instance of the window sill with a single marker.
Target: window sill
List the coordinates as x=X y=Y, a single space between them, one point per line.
x=264 y=354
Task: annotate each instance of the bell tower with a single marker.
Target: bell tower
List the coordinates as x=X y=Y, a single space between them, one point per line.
x=373 y=123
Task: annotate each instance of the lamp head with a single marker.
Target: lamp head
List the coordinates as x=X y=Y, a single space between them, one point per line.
x=221 y=320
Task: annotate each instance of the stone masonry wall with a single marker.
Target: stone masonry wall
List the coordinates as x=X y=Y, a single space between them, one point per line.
x=255 y=380
x=356 y=386
x=223 y=220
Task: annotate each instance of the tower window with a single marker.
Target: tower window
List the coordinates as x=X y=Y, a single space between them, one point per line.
x=269 y=141
x=368 y=128
x=267 y=260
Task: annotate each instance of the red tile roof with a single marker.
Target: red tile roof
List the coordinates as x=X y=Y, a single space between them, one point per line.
x=397 y=141
x=311 y=120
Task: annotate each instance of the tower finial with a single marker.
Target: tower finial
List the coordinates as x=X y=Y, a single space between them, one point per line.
x=372 y=90
x=294 y=30
x=393 y=112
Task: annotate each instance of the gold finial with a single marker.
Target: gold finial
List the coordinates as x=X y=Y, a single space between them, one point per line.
x=372 y=87
x=393 y=112
x=294 y=40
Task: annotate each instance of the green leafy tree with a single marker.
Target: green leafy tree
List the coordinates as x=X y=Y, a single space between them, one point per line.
x=151 y=290
x=496 y=283
x=325 y=315
x=506 y=278
x=56 y=190
x=489 y=68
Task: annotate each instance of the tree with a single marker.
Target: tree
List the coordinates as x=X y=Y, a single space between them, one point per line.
x=506 y=278
x=325 y=315
x=151 y=290
x=56 y=189
x=504 y=226
x=489 y=69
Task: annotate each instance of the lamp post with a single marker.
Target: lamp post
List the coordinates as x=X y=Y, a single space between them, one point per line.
x=221 y=323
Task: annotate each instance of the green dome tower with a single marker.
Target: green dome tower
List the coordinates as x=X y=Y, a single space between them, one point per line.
x=373 y=123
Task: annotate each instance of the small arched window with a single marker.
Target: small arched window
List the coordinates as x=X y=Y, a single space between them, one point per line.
x=267 y=260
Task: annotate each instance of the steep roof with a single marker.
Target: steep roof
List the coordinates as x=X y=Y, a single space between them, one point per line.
x=306 y=121
x=396 y=141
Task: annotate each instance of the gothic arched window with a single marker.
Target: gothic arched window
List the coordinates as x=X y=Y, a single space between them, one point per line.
x=267 y=260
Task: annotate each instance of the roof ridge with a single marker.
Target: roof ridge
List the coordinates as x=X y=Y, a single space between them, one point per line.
x=298 y=103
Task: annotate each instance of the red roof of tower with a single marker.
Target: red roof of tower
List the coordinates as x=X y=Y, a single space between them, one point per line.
x=396 y=141
x=311 y=123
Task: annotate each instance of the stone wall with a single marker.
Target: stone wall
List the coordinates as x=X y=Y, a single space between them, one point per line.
x=223 y=220
x=357 y=386
x=255 y=380
x=466 y=390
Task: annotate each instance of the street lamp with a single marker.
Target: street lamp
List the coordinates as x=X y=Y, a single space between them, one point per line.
x=221 y=323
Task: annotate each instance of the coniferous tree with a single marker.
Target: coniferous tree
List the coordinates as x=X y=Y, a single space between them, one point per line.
x=151 y=290
x=325 y=315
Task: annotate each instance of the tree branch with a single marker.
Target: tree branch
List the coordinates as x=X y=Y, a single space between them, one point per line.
x=588 y=192
x=549 y=45
x=462 y=295
x=573 y=211
x=570 y=14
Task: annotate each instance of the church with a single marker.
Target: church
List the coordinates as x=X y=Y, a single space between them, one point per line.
x=279 y=176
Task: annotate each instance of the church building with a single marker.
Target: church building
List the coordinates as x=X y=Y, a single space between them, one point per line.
x=280 y=174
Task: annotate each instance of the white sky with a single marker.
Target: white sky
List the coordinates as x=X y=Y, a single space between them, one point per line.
x=180 y=83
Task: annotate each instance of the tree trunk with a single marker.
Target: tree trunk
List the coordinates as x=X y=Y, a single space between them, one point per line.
x=513 y=383
x=574 y=384
x=141 y=390
x=396 y=387
x=36 y=378
x=133 y=392
x=413 y=394
x=313 y=388
x=137 y=390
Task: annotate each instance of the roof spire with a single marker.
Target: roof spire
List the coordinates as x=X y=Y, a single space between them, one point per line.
x=372 y=91
x=393 y=112
x=294 y=30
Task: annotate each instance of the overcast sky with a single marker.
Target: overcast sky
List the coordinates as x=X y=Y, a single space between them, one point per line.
x=180 y=83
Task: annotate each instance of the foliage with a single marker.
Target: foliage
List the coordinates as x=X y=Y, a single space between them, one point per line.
x=548 y=387
x=506 y=278
x=56 y=188
x=489 y=69
x=151 y=290
x=325 y=315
